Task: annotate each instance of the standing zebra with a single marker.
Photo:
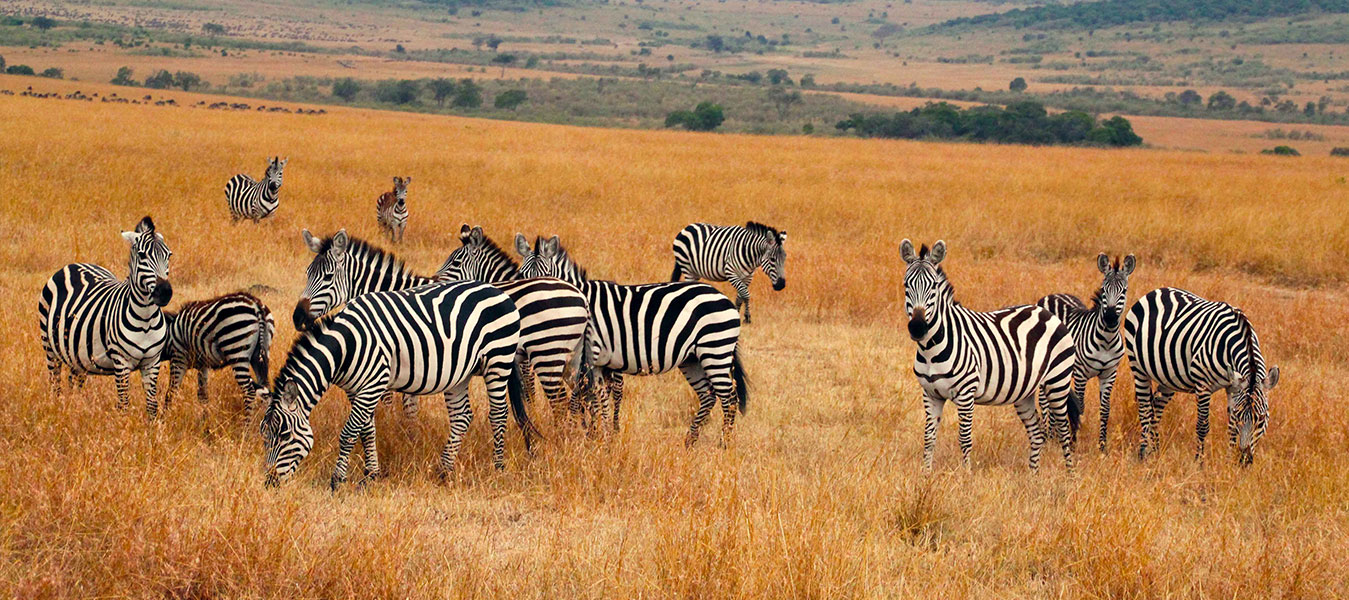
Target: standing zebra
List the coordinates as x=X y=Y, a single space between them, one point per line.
x=653 y=328
x=1095 y=332
x=234 y=330
x=92 y=322
x=427 y=340
x=255 y=200
x=1009 y=356
x=552 y=312
x=552 y=326
x=391 y=209
x=731 y=253
x=1183 y=343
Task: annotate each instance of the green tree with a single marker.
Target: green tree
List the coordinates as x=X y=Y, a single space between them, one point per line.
x=1018 y=85
x=43 y=23
x=778 y=77
x=704 y=117
x=510 y=99
x=1190 y=98
x=783 y=100
x=162 y=80
x=1221 y=101
x=494 y=42
x=19 y=70
x=402 y=91
x=54 y=73
x=468 y=94
x=124 y=77
x=504 y=60
x=1116 y=131
x=213 y=29
x=715 y=43
x=346 y=88
x=187 y=80
x=441 y=89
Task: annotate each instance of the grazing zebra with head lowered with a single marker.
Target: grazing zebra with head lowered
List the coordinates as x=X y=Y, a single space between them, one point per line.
x=1179 y=342
x=1095 y=332
x=255 y=200
x=652 y=328
x=391 y=209
x=553 y=315
x=1009 y=356
x=732 y=253
x=94 y=323
x=426 y=340
x=234 y=330
x=552 y=312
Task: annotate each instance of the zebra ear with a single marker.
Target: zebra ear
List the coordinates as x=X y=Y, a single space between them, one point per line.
x=1103 y=263
x=464 y=231
x=340 y=241
x=146 y=224
x=1272 y=379
x=406 y=181
x=938 y=252
x=550 y=246
x=1129 y=263
x=522 y=245
x=315 y=245
x=283 y=162
x=476 y=235
x=906 y=251
x=290 y=397
x=130 y=236
x=782 y=237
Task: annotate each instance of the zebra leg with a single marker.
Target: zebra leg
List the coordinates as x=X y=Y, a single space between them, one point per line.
x=1078 y=395
x=54 y=371
x=498 y=408
x=597 y=407
x=1034 y=431
x=203 y=393
x=932 y=408
x=723 y=386
x=1159 y=401
x=526 y=378
x=123 y=377
x=616 y=390
x=360 y=417
x=150 y=381
x=965 y=415
x=1056 y=400
x=741 y=294
x=1201 y=423
x=1143 y=397
x=410 y=405
x=1106 y=381
x=370 y=449
x=79 y=379
x=243 y=376
x=1231 y=425
x=387 y=398
x=697 y=378
x=176 y=372
x=553 y=381
x=461 y=414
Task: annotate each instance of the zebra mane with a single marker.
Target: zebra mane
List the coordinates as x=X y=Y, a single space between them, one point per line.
x=1248 y=336
x=355 y=244
x=493 y=249
x=221 y=298
x=566 y=258
x=1096 y=298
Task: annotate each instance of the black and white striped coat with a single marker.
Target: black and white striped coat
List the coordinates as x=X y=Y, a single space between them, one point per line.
x=731 y=253
x=391 y=209
x=426 y=340
x=1095 y=332
x=94 y=323
x=234 y=331
x=1180 y=342
x=653 y=328
x=255 y=200
x=552 y=312
x=1010 y=356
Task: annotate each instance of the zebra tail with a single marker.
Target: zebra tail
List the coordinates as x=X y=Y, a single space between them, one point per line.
x=262 y=346
x=741 y=381
x=516 y=390
x=1074 y=414
x=678 y=274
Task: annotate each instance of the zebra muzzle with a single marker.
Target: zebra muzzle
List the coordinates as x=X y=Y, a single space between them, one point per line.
x=163 y=292
x=301 y=317
x=918 y=325
x=779 y=284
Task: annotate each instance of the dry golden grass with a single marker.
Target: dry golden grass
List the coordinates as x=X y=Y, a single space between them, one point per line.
x=822 y=495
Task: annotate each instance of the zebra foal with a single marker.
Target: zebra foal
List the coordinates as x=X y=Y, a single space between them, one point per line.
x=391 y=209
x=234 y=330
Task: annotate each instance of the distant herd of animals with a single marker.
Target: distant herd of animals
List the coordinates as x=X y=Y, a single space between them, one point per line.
x=369 y=325
x=148 y=99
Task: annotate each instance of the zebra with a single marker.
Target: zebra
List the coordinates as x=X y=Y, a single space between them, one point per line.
x=653 y=328
x=234 y=330
x=391 y=209
x=91 y=322
x=1180 y=342
x=255 y=200
x=552 y=328
x=1095 y=332
x=1009 y=356
x=732 y=253
x=425 y=340
x=552 y=312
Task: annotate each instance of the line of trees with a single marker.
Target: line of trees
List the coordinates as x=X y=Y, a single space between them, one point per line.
x=1019 y=123
x=1106 y=13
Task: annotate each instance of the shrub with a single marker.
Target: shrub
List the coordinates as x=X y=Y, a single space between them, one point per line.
x=402 y=91
x=467 y=95
x=346 y=88
x=19 y=70
x=43 y=23
x=510 y=99
x=441 y=89
x=54 y=73
x=124 y=77
x=704 y=117
x=161 y=81
x=1017 y=85
x=1282 y=151
x=1024 y=122
x=213 y=29
x=1339 y=151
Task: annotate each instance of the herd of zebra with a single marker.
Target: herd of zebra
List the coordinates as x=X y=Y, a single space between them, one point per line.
x=541 y=317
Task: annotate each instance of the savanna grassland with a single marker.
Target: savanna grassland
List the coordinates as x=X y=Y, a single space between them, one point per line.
x=821 y=495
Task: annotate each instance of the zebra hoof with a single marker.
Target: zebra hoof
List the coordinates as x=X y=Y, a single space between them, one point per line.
x=335 y=482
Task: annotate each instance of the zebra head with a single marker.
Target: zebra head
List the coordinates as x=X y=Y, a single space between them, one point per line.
x=400 y=190
x=1248 y=399
x=286 y=434
x=149 y=265
x=275 y=167
x=1110 y=298
x=547 y=259
x=478 y=259
x=926 y=291
x=774 y=261
x=326 y=281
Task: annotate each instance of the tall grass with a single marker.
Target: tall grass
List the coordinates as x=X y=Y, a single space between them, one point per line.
x=820 y=497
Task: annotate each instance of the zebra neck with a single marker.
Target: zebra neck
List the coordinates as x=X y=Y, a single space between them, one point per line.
x=140 y=304
x=389 y=274
x=947 y=322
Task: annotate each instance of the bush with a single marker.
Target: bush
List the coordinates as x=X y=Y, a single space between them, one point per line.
x=467 y=95
x=213 y=29
x=19 y=70
x=1282 y=151
x=43 y=23
x=124 y=77
x=1339 y=151
x=160 y=81
x=53 y=73
x=187 y=80
x=402 y=91
x=704 y=117
x=1025 y=122
x=1017 y=85
x=346 y=88
x=510 y=99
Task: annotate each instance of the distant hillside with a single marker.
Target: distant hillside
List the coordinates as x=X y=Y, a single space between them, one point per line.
x=1107 y=13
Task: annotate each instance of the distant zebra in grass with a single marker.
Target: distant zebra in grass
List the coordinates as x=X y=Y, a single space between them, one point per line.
x=731 y=253
x=1011 y=356
x=391 y=210
x=1095 y=332
x=653 y=328
x=552 y=313
x=427 y=340
x=92 y=322
x=551 y=339
x=234 y=330
x=1179 y=342
x=255 y=200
